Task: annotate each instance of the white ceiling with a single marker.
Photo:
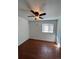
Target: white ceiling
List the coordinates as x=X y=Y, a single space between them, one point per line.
x=51 y=7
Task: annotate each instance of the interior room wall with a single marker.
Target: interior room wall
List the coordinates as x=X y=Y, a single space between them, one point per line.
x=35 y=30
x=23 y=30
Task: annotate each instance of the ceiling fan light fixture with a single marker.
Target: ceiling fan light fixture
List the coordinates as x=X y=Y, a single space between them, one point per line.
x=36 y=18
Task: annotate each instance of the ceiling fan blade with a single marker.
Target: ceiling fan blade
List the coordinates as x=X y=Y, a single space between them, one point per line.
x=41 y=18
x=30 y=16
x=32 y=11
x=42 y=14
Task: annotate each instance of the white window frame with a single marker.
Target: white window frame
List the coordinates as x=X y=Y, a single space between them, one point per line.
x=47 y=28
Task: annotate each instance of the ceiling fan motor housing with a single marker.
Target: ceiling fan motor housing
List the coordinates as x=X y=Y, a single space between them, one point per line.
x=36 y=14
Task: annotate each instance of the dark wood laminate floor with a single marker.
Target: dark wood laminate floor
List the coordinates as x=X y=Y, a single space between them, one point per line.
x=35 y=49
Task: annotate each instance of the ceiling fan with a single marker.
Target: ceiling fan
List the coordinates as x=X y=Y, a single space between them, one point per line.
x=37 y=15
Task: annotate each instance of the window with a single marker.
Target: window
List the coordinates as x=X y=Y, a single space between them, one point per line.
x=47 y=28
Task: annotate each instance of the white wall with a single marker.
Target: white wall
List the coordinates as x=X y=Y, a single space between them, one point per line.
x=23 y=30
x=36 y=30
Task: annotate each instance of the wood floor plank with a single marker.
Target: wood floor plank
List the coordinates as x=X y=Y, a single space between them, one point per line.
x=35 y=49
